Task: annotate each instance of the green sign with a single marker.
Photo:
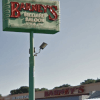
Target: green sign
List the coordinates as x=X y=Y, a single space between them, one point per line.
x=39 y=16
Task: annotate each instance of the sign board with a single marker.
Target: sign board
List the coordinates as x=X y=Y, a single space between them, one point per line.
x=39 y=16
x=66 y=91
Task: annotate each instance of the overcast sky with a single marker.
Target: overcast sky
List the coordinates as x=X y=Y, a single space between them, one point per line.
x=71 y=56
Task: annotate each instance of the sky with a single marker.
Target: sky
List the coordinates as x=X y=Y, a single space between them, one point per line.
x=71 y=56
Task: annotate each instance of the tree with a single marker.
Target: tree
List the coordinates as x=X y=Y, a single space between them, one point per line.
x=64 y=85
x=13 y=92
x=43 y=89
x=98 y=80
x=88 y=81
x=23 y=89
x=37 y=89
x=0 y=95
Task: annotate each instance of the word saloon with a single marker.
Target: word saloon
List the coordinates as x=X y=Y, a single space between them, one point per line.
x=31 y=15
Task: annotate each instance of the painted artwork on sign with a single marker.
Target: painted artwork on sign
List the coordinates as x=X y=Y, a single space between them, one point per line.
x=39 y=16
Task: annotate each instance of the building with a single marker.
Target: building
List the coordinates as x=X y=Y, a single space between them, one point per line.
x=95 y=95
x=80 y=92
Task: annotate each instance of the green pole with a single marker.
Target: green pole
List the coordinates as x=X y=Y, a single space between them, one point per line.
x=31 y=70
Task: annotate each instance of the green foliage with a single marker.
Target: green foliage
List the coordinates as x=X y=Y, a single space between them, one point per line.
x=98 y=80
x=88 y=81
x=64 y=85
x=0 y=95
x=37 y=89
x=13 y=92
x=42 y=89
x=23 y=89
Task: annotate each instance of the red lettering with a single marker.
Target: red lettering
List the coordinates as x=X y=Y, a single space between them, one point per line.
x=67 y=91
x=72 y=90
x=81 y=89
x=39 y=8
x=45 y=8
x=34 y=7
x=55 y=92
x=53 y=12
x=61 y=92
x=22 y=6
x=46 y=94
x=15 y=9
x=28 y=6
x=50 y=93
x=15 y=13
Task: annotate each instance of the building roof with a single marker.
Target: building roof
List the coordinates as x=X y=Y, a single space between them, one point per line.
x=95 y=94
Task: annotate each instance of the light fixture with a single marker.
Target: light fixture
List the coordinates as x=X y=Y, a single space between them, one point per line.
x=42 y=46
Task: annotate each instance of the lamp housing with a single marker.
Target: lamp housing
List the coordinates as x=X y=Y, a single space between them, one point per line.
x=43 y=45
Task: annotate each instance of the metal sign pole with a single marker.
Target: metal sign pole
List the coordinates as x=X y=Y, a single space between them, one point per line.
x=31 y=70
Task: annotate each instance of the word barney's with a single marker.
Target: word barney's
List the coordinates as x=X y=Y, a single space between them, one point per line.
x=67 y=91
x=16 y=8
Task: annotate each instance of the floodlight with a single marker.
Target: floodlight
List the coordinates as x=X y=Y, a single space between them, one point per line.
x=43 y=45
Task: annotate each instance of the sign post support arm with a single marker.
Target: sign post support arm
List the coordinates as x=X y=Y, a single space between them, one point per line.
x=31 y=69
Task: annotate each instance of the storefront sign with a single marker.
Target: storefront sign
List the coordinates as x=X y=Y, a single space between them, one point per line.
x=67 y=91
x=21 y=97
x=39 y=16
